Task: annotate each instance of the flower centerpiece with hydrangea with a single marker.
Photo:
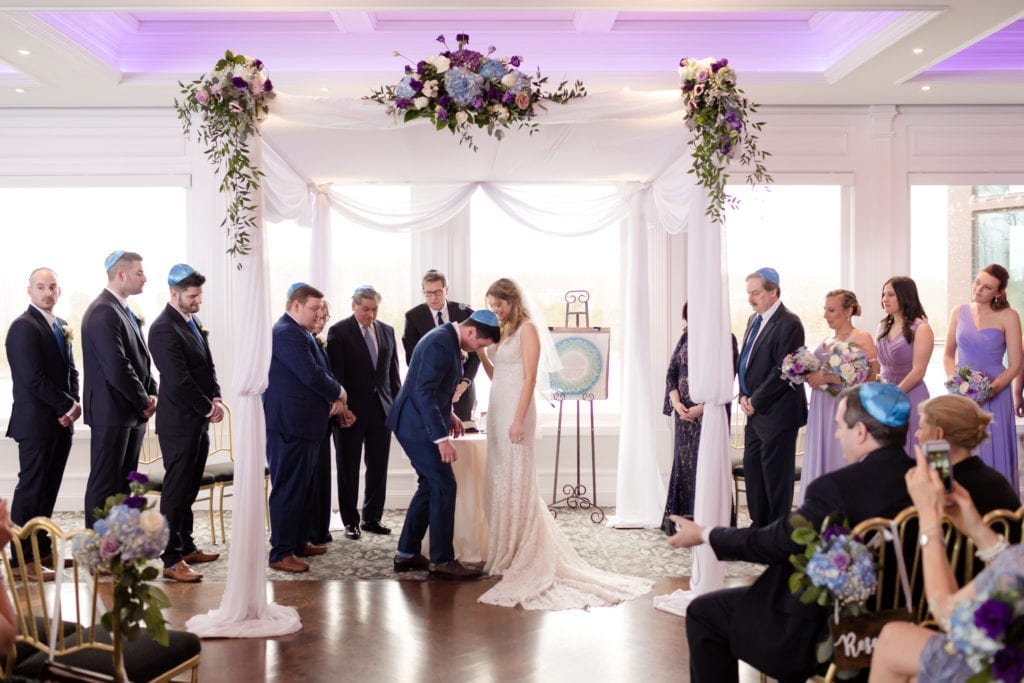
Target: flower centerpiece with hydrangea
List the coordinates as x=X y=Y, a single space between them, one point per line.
x=718 y=117
x=128 y=532
x=462 y=89
x=797 y=365
x=836 y=568
x=989 y=634
x=228 y=103
x=970 y=383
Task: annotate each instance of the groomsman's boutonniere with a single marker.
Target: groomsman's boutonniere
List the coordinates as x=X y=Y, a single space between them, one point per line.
x=321 y=342
x=140 y=319
x=202 y=329
x=68 y=332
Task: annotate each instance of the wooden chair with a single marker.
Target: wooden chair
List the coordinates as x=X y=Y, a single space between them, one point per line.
x=75 y=633
x=223 y=473
x=150 y=456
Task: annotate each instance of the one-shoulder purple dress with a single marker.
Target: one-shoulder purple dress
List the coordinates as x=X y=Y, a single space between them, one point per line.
x=984 y=350
x=896 y=359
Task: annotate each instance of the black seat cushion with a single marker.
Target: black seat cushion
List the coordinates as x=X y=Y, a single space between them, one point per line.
x=220 y=471
x=23 y=650
x=144 y=658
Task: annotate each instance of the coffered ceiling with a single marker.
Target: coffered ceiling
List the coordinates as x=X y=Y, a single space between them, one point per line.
x=133 y=52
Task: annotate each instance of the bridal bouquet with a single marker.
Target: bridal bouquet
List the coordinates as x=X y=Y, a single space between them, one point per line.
x=229 y=102
x=461 y=89
x=128 y=531
x=966 y=381
x=989 y=633
x=797 y=365
x=718 y=116
x=848 y=363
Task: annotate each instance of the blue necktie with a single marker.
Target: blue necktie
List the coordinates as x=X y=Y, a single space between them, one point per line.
x=746 y=354
x=368 y=338
x=135 y=321
x=195 y=330
x=61 y=342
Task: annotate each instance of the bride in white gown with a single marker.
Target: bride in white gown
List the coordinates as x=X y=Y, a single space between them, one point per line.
x=538 y=566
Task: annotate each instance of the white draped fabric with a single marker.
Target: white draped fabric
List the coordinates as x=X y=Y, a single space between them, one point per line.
x=314 y=147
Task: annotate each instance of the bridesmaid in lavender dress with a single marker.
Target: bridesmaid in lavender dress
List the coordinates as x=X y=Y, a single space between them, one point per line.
x=822 y=451
x=980 y=333
x=905 y=341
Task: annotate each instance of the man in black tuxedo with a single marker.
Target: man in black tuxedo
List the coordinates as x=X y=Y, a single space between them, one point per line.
x=46 y=405
x=364 y=359
x=437 y=311
x=189 y=402
x=764 y=624
x=775 y=410
x=120 y=392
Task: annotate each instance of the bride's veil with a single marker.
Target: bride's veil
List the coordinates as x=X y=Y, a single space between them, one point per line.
x=549 y=361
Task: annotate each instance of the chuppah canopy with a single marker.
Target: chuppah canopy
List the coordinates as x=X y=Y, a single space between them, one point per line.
x=636 y=141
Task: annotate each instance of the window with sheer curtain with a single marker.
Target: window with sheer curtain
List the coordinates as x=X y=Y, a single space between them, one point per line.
x=72 y=230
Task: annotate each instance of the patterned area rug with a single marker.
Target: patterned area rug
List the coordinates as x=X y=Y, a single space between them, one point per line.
x=636 y=552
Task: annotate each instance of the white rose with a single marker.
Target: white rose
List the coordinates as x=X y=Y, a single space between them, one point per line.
x=439 y=62
x=461 y=117
x=430 y=88
x=151 y=522
x=421 y=102
x=500 y=111
x=509 y=79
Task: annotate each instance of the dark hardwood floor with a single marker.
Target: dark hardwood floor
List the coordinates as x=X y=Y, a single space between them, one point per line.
x=422 y=630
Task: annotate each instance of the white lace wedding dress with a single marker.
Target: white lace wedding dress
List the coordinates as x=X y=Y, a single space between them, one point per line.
x=539 y=569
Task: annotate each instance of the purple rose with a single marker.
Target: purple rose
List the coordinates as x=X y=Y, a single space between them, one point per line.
x=408 y=68
x=417 y=86
x=993 y=617
x=508 y=97
x=462 y=38
x=841 y=560
x=444 y=101
x=267 y=85
x=716 y=66
x=138 y=478
x=1008 y=665
x=478 y=102
x=514 y=61
x=682 y=62
x=109 y=547
x=202 y=97
x=688 y=86
x=240 y=83
x=403 y=102
x=421 y=67
x=832 y=531
x=137 y=502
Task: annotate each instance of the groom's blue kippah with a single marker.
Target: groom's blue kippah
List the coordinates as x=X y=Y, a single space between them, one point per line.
x=769 y=274
x=113 y=258
x=886 y=403
x=179 y=271
x=485 y=317
x=296 y=285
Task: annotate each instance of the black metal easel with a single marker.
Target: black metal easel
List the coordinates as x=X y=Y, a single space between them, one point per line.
x=577 y=309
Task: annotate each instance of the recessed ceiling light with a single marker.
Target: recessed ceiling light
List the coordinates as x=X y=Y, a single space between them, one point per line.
x=24 y=53
x=19 y=90
x=918 y=50
x=926 y=88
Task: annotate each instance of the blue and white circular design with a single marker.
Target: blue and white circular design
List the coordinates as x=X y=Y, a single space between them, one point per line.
x=582 y=365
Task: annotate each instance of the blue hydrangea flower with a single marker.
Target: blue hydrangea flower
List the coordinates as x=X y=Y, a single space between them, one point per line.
x=492 y=69
x=516 y=81
x=462 y=85
x=404 y=88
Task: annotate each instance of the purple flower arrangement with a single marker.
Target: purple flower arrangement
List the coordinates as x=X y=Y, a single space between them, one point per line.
x=848 y=363
x=797 y=365
x=970 y=383
x=461 y=89
x=229 y=102
x=718 y=117
x=836 y=568
x=989 y=633
x=128 y=532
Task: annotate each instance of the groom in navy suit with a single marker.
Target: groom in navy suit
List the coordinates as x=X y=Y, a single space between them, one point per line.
x=775 y=410
x=120 y=392
x=422 y=420
x=46 y=405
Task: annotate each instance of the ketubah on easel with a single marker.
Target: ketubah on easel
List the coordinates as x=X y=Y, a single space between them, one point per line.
x=583 y=378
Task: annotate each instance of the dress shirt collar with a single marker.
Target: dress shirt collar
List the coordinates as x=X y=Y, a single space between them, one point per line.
x=50 y=317
x=120 y=299
x=443 y=311
x=767 y=315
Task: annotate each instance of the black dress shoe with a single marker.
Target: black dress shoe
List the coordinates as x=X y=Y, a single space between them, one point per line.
x=352 y=531
x=454 y=571
x=375 y=528
x=417 y=563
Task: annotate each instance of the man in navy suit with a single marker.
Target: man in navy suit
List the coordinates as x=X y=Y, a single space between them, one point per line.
x=764 y=624
x=364 y=359
x=189 y=402
x=46 y=405
x=437 y=310
x=422 y=419
x=775 y=410
x=120 y=392
x=301 y=394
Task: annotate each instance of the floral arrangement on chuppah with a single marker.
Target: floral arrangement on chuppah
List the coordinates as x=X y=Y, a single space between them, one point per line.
x=229 y=102
x=128 y=532
x=458 y=90
x=718 y=117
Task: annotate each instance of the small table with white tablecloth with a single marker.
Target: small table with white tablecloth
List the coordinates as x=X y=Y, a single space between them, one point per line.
x=470 y=469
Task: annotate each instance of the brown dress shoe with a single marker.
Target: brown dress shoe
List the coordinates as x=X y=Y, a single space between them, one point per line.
x=34 y=572
x=454 y=571
x=417 y=563
x=312 y=550
x=198 y=557
x=290 y=564
x=182 y=572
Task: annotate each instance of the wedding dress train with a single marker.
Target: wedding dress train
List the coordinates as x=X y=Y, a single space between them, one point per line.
x=538 y=566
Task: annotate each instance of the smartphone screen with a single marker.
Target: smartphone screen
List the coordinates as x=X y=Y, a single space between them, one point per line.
x=939 y=458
